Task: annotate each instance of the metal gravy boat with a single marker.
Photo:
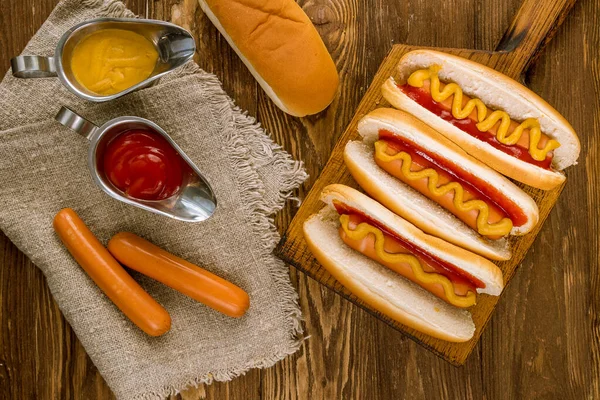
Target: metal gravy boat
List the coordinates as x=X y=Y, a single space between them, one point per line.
x=194 y=202
x=175 y=47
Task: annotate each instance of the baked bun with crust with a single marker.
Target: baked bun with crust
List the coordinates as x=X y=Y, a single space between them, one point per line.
x=497 y=92
x=382 y=287
x=281 y=48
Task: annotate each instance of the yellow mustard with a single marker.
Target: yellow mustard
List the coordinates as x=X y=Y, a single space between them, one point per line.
x=363 y=229
x=111 y=60
x=500 y=228
x=486 y=122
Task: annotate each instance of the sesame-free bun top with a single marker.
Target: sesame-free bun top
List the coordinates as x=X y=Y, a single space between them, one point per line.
x=281 y=48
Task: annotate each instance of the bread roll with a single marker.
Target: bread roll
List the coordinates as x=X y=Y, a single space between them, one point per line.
x=281 y=48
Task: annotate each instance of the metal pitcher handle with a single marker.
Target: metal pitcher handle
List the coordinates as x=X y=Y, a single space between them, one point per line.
x=33 y=67
x=74 y=121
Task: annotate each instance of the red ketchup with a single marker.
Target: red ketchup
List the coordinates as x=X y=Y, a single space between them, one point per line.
x=469 y=126
x=144 y=165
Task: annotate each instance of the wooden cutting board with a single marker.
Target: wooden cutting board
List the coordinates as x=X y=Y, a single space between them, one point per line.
x=532 y=28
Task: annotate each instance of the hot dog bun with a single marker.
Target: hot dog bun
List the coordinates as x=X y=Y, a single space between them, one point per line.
x=380 y=287
x=497 y=91
x=406 y=126
x=281 y=48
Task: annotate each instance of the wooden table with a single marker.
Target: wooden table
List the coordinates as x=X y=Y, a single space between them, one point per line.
x=544 y=339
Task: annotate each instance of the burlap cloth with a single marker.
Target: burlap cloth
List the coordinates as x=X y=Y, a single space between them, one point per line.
x=43 y=168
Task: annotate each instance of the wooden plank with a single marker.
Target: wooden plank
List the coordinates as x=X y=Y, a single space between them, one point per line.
x=40 y=356
x=19 y=20
x=293 y=248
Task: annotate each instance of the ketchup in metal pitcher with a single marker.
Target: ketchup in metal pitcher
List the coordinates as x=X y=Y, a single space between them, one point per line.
x=143 y=164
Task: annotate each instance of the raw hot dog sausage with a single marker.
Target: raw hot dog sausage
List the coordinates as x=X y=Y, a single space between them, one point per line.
x=112 y=279
x=187 y=278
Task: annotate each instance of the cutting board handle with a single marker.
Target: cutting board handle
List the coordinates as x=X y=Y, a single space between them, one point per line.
x=531 y=29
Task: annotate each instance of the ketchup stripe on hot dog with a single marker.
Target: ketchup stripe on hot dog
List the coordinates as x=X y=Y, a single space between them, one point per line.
x=489 y=115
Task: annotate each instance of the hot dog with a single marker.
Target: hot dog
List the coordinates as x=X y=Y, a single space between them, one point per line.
x=415 y=155
x=112 y=279
x=187 y=278
x=375 y=254
x=492 y=117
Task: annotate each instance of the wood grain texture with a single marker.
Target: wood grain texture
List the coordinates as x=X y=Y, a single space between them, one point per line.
x=543 y=339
